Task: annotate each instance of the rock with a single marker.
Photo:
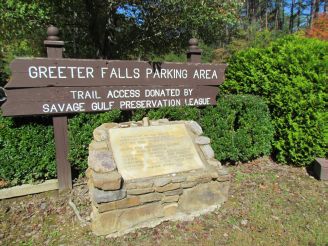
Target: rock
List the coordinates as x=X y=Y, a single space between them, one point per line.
x=169 y=199
x=151 y=197
x=198 y=176
x=223 y=175
x=163 y=121
x=170 y=209
x=101 y=161
x=207 y=151
x=213 y=171
x=203 y=196
x=223 y=171
x=140 y=191
x=223 y=178
x=154 y=123
x=139 y=185
x=43 y=205
x=124 y=125
x=120 y=204
x=171 y=186
x=145 y=121
x=124 y=219
x=202 y=140
x=134 y=124
x=162 y=181
x=173 y=192
x=214 y=175
x=190 y=184
x=100 y=134
x=100 y=196
x=98 y=145
x=244 y=222
x=194 y=127
x=178 y=179
x=109 y=125
x=214 y=162
x=106 y=181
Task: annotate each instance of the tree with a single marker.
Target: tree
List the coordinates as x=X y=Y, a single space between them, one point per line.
x=22 y=30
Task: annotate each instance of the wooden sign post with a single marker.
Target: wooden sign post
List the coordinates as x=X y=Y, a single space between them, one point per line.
x=64 y=172
x=58 y=87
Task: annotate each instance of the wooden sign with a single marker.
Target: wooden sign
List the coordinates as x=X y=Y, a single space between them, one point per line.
x=56 y=86
x=43 y=72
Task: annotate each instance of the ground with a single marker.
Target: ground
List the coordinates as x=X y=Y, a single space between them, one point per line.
x=269 y=204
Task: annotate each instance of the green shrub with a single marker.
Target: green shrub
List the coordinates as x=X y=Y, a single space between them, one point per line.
x=80 y=131
x=291 y=74
x=27 y=151
x=239 y=127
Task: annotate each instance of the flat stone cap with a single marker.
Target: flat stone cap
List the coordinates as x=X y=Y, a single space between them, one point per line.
x=323 y=162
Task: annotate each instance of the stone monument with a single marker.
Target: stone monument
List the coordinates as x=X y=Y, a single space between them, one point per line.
x=143 y=173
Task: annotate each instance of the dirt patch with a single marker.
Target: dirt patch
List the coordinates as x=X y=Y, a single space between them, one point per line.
x=269 y=204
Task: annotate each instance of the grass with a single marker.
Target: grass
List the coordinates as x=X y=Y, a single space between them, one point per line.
x=269 y=204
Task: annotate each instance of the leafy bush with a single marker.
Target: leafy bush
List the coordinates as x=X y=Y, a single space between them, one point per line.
x=239 y=127
x=27 y=151
x=291 y=74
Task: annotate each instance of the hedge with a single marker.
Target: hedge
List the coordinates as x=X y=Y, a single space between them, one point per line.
x=27 y=150
x=239 y=127
x=292 y=76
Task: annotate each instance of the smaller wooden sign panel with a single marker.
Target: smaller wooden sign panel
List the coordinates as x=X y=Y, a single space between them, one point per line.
x=68 y=100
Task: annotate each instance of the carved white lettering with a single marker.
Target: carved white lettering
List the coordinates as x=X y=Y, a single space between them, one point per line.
x=32 y=72
x=63 y=107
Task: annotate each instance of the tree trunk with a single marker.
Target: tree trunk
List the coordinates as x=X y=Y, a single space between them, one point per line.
x=276 y=16
x=281 y=15
x=266 y=15
x=312 y=12
x=299 y=13
x=291 y=18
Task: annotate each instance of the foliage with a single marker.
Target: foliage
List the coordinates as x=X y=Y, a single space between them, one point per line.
x=22 y=30
x=27 y=151
x=291 y=74
x=239 y=127
x=249 y=38
x=81 y=127
x=319 y=28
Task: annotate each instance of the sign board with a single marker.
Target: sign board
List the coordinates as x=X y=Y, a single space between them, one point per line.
x=64 y=86
x=142 y=152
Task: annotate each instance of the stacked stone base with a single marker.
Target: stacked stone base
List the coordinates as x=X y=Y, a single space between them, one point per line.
x=148 y=202
x=121 y=206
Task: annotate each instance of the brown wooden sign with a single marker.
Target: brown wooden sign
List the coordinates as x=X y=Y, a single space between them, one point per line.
x=45 y=72
x=67 y=100
x=55 y=86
